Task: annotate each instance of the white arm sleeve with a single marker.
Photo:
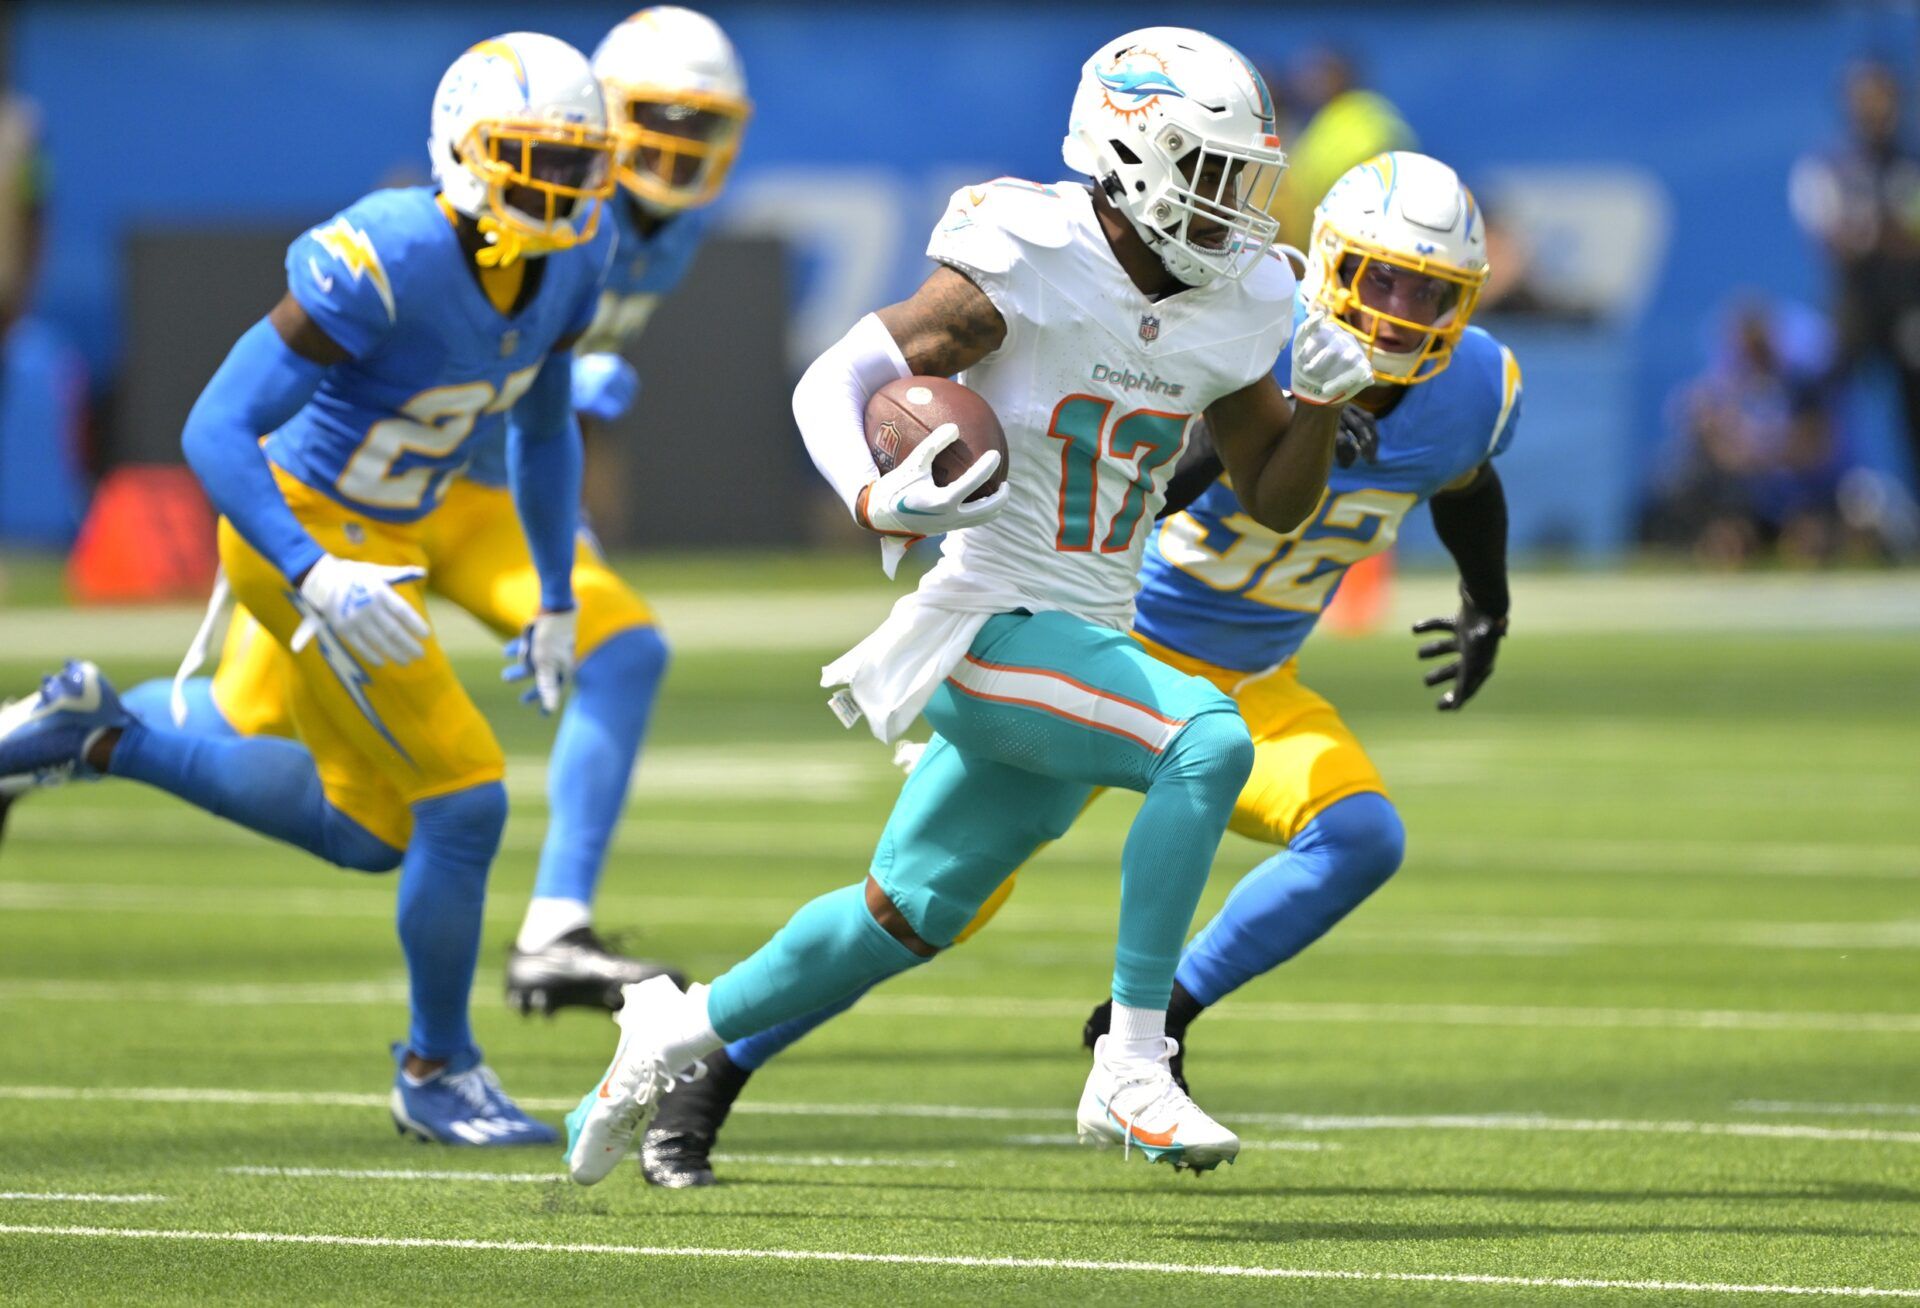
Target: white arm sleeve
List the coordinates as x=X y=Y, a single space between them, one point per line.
x=830 y=404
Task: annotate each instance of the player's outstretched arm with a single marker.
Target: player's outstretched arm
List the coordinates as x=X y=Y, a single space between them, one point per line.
x=1278 y=451
x=544 y=460
x=270 y=374
x=1470 y=518
x=1277 y=454
x=947 y=326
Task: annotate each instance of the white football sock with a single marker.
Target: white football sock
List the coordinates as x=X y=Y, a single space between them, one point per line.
x=549 y=919
x=1137 y=1033
x=691 y=1036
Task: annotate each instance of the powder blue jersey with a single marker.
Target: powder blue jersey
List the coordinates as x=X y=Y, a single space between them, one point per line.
x=434 y=367
x=1219 y=587
x=644 y=268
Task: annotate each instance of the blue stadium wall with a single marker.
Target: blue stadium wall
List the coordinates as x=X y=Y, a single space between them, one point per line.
x=161 y=114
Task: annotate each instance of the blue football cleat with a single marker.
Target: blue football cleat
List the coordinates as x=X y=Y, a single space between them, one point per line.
x=51 y=731
x=461 y=1104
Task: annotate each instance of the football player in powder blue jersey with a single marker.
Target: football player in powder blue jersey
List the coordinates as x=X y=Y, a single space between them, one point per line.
x=418 y=325
x=676 y=92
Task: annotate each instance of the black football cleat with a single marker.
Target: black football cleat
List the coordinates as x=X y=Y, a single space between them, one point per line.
x=1100 y=1020
x=576 y=971
x=677 y=1151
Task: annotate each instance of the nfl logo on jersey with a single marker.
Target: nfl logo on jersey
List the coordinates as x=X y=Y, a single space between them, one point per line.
x=1149 y=328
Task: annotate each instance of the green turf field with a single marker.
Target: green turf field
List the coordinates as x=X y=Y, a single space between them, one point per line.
x=1637 y=1022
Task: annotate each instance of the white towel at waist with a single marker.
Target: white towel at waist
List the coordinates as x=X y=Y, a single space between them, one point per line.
x=889 y=677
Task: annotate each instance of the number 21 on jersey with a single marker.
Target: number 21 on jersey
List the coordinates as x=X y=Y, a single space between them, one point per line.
x=436 y=422
x=1096 y=455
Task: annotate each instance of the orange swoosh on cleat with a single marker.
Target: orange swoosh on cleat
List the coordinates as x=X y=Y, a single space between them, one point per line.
x=603 y=1087
x=1158 y=1139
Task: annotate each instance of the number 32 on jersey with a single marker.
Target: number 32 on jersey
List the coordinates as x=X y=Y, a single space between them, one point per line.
x=1296 y=571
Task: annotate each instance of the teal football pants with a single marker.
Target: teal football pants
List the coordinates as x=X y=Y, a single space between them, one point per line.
x=1043 y=708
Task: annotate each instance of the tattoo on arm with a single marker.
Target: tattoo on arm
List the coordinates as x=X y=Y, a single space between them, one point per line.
x=302 y=334
x=948 y=326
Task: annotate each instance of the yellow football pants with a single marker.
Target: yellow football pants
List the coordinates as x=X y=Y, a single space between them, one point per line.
x=1305 y=759
x=384 y=738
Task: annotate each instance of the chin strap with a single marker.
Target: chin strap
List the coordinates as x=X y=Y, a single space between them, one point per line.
x=504 y=244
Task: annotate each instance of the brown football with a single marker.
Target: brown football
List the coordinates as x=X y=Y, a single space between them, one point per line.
x=902 y=412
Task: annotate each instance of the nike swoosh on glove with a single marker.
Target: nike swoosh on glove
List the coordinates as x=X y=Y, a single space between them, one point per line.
x=358 y=603
x=907 y=503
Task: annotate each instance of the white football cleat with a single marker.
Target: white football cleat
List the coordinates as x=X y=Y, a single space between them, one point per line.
x=1138 y=1105
x=602 y=1127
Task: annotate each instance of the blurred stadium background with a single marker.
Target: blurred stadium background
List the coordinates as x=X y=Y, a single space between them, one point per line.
x=1640 y=1008
x=1670 y=186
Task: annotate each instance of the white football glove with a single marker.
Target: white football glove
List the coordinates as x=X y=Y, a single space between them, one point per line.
x=905 y=505
x=358 y=603
x=544 y=651
x=1329 y=364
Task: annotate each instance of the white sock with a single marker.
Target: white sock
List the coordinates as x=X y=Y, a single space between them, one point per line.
x=549 y=919
x=693 y=1036
x=1137 y=1033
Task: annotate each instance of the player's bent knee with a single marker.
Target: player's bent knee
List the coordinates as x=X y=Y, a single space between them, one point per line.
x=894 y=922
x=353 y=847
x=470 y=821
x=1366 y=835
x=636 y=656
x=1215 y=752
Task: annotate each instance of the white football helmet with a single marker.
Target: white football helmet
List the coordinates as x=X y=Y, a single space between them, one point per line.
x=1401 y=211
x=520 y=142
x=679 y=102
x=1178 y=129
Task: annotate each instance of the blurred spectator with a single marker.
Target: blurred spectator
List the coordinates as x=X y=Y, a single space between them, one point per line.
x=42 y=379
x=1861 y=200
x=1344 y=125
x=1757 y=463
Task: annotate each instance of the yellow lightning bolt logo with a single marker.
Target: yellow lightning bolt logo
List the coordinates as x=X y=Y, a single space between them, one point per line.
x=356 y=254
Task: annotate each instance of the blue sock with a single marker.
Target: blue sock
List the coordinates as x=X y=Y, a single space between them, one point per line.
x=443 y=888
x=831 y=949
x=592 y=760
x=152 y=703
x=755 y=1050
x=267 y=785
x=1295 y=897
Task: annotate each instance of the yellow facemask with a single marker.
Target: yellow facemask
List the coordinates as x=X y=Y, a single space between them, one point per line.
x=675 y=170
x=1347 y=261
x=538 y=176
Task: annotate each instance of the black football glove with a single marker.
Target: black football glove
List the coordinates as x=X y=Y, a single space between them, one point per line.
x=1358 y=437
x=1473 y=635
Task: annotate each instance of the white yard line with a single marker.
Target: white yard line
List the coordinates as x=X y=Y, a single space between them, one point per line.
x=246 y=994
x=1307 y=1122
x=47 y=1196
x=395 y=1174
x=549 y=1178
x=1806 y=1107
x=1683 y=1019
x=942 y=1260
x=800 y=771
x=1377 y=933
x=1070 y=1140
x=1556 y=603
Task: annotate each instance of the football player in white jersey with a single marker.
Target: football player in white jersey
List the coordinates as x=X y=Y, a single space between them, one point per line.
x=1099 y=322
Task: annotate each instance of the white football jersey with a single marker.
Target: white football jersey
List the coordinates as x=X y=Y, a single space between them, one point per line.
x=1097 y=387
